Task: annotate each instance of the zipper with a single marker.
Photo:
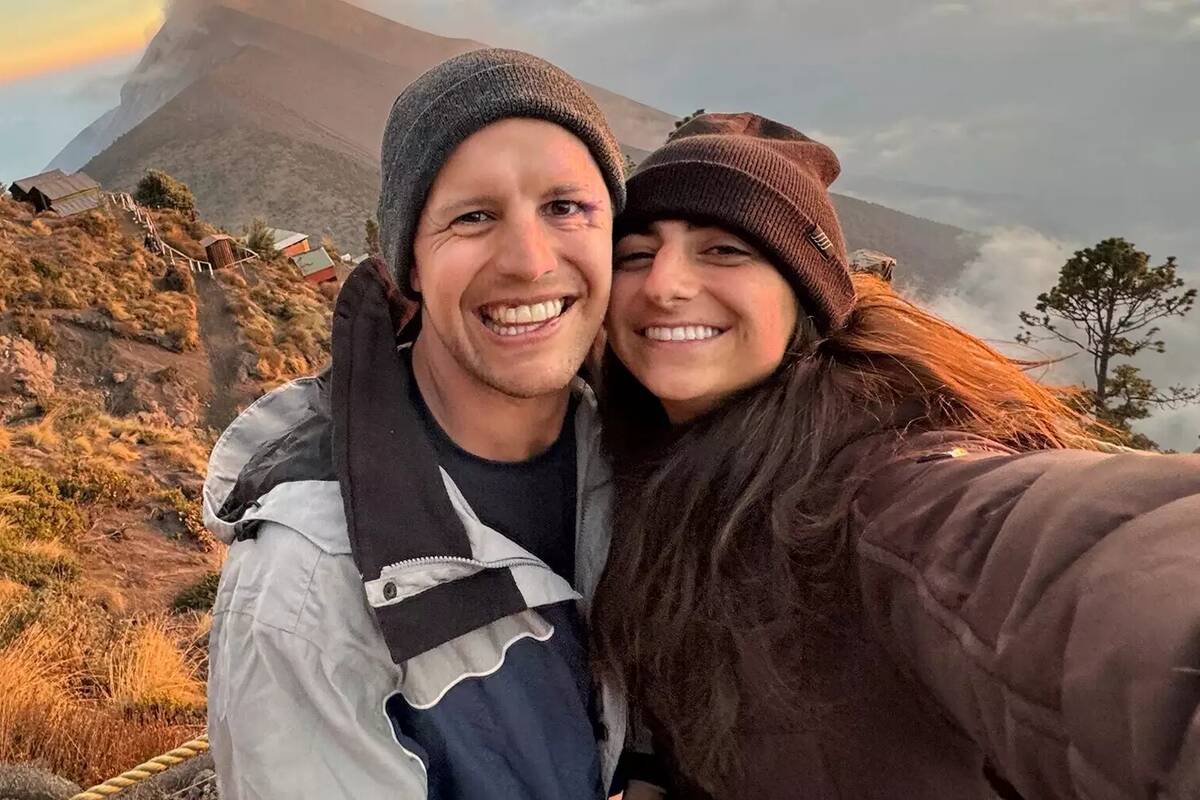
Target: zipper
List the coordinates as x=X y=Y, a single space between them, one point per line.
x=515 y=561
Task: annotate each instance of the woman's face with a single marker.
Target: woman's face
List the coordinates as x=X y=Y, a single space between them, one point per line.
x=696 y=314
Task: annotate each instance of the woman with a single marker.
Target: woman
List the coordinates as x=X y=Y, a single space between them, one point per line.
x=858 y=553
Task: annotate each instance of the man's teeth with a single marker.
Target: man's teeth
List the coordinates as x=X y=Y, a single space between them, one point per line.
x=516 y=320
x=523 y=315
x=682 y=333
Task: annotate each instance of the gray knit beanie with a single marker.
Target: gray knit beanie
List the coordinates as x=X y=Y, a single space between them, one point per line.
x=455 y=99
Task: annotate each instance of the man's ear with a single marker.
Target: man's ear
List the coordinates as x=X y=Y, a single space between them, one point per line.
x=414 y=277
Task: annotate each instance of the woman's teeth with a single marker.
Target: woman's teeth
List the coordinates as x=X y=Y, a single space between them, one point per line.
x=516 y=320
x=682 y=333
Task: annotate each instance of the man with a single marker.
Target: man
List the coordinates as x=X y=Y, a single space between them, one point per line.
x=411 y=532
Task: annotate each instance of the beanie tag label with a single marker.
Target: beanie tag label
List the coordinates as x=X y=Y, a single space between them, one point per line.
x=821 y=240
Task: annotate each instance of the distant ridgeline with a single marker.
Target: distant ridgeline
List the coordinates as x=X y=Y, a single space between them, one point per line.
x=215 y=102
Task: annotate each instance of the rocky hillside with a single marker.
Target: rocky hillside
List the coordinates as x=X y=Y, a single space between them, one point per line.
x=117 y=371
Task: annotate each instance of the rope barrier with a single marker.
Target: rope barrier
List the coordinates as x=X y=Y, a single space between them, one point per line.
x=149 y=769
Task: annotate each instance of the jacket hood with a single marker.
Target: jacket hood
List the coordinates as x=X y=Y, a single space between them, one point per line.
x=345 y=459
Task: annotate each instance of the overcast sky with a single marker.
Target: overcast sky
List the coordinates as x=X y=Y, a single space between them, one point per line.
x=1049 y=124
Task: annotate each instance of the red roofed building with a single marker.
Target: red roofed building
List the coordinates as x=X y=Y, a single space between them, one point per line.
x=316 y=266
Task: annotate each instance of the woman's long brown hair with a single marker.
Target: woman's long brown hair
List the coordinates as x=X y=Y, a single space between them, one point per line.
x=731 y=534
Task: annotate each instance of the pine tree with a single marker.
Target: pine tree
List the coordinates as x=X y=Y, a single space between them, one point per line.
x=372 y=235
x=1106 y=303
x=260 y=240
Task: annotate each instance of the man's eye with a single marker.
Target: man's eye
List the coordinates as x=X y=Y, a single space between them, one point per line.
x=633 y=260
x=563 y=208
x=727 y=250
x=471 y=218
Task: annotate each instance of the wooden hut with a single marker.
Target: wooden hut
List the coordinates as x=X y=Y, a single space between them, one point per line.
x=219 y=248
x=59 y=193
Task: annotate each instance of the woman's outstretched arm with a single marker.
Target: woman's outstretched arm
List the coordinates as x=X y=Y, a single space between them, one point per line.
x=1050 y=601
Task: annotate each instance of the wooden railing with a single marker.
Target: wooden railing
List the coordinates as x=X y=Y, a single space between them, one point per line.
x=145 y=220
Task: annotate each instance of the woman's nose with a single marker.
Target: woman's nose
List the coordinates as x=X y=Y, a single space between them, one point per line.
x=672 y=278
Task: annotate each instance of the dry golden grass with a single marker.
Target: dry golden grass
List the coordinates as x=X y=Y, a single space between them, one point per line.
x=41 y=434
x=85 y=434
x=84 y=690
x=90 y=262
x=10 y=498
x=10 y=592
x=38 y=704
x=284 y=320
x=61 y=708
x=147 y=670
x=119 y=439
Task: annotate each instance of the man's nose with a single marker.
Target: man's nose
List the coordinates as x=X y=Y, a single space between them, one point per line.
x=672 y=279
x=526 y=250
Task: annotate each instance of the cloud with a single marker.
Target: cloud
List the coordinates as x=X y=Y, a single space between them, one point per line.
x=947 y=9
x=1014 y=265
x=1129 y=16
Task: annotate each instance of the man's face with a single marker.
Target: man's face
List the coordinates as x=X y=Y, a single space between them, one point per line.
x=513 y=257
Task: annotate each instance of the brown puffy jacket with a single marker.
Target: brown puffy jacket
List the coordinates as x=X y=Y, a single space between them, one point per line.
x=1031 y=630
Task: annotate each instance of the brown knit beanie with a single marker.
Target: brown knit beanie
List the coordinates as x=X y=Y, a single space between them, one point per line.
x=762 y=180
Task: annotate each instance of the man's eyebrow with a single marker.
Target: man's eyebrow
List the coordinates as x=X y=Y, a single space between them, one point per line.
x=561 y=189
x=456 y=206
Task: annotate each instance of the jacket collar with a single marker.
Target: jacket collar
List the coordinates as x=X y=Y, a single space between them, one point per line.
x=354 y=425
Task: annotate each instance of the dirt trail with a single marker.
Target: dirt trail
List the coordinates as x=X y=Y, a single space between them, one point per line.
x=218 y=330
x=128 y=225
x=219 y=340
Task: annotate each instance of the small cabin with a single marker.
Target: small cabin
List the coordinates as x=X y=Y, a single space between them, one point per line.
x=59 y=193
x=289 y=243
x=315 y=265
x=219 y=248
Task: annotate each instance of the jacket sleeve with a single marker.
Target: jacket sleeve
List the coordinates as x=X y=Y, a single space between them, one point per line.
x=1050 y=602
x=287 y=719
x=642 y=769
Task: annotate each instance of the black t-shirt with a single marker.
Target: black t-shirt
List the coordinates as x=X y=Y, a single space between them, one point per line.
x=531 y=502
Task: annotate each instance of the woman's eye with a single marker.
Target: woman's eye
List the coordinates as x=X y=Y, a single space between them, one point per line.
x=727 y=250
x=471 y=218
x=564 y=208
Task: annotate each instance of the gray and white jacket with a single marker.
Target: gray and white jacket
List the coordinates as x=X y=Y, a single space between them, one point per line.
x=365 y=614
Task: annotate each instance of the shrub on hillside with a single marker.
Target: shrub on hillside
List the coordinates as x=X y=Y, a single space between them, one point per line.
x=178 y=278
x=33 y=501
x=175 y=507
x=260 y=240
x=157 y=189
x=35 y=565
x=35 y=521
x=37 y=330
x=93 y=482
x=200 y=596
